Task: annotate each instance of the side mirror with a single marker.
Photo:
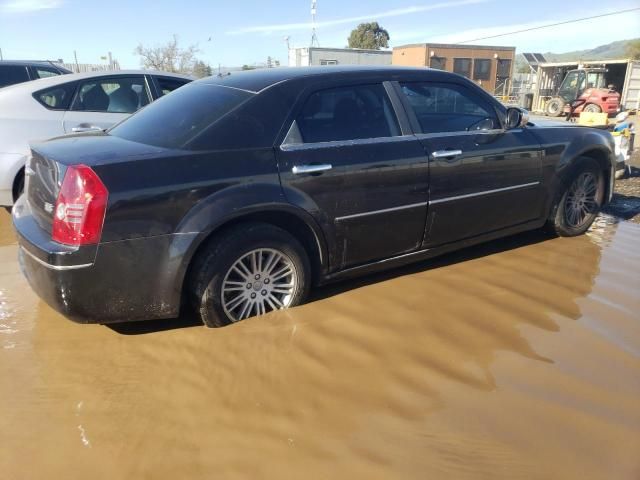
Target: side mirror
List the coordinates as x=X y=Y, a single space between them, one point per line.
x=516 y=118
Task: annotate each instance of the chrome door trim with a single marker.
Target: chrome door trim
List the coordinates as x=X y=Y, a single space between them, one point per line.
x=483 y=193
x=344 y=143
x=384 y=210
x=300 y=169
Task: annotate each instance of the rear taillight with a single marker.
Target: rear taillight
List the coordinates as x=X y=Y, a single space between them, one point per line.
x=80 y=207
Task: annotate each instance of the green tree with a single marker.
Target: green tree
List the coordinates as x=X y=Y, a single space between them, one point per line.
x=633 y=49
x=369 y=35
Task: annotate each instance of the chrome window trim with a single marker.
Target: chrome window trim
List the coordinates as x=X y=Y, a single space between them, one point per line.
x=494 y=131
x=384 y=210
x=483 y=193
x=55 y=267
x=344 y=143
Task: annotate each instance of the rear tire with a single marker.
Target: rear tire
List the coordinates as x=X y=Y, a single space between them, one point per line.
x=248 y=270
x=555 y=107
x=592 y=108
x=580 y=202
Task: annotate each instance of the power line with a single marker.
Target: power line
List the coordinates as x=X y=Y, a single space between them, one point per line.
x=551 y=25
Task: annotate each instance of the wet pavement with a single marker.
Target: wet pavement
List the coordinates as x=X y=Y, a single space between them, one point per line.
x=516 y=359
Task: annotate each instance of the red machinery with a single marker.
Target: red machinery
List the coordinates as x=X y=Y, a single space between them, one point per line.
x=584 y=90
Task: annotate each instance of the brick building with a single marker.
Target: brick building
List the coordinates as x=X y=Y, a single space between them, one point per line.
x=490 y=67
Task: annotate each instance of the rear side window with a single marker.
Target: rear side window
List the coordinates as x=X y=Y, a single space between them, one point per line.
x=168 y=85
x=56 y=98
x=12 y=74
x=112 y=95
x=44 y=72
x=175 y=120
x=347 y=113
x=448 y=108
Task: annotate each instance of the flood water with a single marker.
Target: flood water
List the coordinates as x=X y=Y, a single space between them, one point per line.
x=519 y=359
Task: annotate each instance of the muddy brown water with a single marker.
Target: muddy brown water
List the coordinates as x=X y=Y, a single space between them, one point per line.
x=520 y=359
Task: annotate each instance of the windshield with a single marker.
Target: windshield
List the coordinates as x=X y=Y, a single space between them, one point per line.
x=175 y=119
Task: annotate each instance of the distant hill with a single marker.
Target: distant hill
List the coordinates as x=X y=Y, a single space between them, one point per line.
x=610 y=51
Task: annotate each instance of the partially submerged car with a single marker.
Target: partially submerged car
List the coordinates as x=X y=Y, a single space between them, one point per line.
x=236 y=194
x=18 y=71
x=74 y=103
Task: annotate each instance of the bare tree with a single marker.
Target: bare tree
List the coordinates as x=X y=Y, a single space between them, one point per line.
x=169 y=57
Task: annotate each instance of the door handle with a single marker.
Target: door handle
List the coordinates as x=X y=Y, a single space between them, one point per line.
x=446 y=153
x=300 y=169
x=86 y=129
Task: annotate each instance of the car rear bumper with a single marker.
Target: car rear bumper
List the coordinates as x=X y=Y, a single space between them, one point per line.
x=128 y=280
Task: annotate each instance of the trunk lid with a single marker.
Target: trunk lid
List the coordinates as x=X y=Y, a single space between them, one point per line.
x=49 y=160
x=43 y=178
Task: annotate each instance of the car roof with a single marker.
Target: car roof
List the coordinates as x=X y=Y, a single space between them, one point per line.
x=31 y=62
x=257 y=80
x=41 y=83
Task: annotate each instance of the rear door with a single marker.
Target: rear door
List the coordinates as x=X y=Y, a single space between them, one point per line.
x=482 y=178
x=347 y=161
x=12 y=74
x=101 y=102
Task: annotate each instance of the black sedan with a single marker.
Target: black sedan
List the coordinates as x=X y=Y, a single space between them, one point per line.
x=236 y=194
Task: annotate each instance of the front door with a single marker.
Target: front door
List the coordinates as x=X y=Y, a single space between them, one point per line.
x=347 y=162
x=482 y=178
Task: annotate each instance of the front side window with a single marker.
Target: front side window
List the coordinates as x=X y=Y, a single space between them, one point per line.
x=347 y=113
x=112 y=95
x=176 y=120
x=462 y=66
x=448 y=108
x=481 y=68
x=44 y=72
x=12 y=74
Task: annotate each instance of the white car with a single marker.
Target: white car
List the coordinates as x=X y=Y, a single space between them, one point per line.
x=54 y=106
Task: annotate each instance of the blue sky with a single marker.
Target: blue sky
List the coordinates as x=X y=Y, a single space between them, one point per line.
x=246 y=32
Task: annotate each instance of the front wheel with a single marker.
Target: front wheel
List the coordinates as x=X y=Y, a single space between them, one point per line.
x=580 y=202
x=250 y=270
x=592 y=108
x=555 y=107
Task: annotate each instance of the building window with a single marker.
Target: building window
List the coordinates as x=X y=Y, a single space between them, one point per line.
x=481 y=69
x=438 y=63
x=462 y=66
x=504 y=68
x=328 y=62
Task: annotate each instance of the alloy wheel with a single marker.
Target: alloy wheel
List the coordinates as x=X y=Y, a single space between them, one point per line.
x=260 y=281
x=581 y=201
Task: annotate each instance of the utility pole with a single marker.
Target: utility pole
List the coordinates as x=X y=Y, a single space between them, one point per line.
x=1 y=58
x=75 y=55
x=314 y=37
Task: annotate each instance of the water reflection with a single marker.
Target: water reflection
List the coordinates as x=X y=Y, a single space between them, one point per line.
x=466 y=367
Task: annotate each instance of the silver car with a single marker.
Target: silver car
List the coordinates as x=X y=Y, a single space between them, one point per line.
x=54 y=106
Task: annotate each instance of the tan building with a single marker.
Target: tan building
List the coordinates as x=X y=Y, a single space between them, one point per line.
x=489 y=67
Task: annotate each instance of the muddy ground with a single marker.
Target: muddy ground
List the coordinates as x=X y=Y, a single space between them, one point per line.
x=518 y=359
x=626 y=200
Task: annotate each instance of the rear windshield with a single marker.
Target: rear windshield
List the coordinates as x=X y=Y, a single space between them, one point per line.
x=176 y=119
